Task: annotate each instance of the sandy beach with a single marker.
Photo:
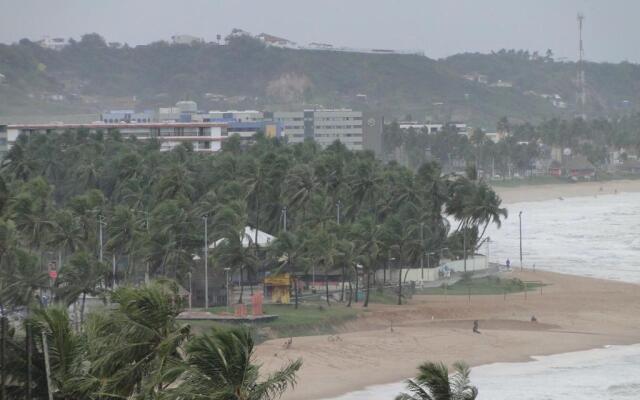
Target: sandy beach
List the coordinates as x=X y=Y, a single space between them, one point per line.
x=523 y=193
x=574 y=313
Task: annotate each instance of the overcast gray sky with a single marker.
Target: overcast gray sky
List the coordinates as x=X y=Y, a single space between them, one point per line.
x=440 y=28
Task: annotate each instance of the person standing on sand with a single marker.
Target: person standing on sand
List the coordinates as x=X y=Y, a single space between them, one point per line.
x=508 y=264
x=475 y=327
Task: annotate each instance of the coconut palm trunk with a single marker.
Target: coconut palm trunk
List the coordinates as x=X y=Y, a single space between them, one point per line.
x=29 y=349
x=357 y=280
x=3 y=352
x=326 y=286
x=350 y=293
x=84 y=299
x=400 y=282
x=295 y=292
x=366 y=295
x=342 y=288
x=241 y=285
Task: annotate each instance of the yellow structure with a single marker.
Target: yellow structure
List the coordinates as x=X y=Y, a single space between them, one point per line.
x=278 y=287
x=271 y=130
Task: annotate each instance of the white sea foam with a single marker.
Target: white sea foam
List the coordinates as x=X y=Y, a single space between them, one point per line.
x=589 y=236
x=611 y=373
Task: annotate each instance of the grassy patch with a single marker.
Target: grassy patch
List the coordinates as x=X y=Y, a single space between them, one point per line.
x=308 y=319
x=487 y=285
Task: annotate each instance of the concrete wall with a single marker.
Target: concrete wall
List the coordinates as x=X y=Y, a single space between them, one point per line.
x=474 y=264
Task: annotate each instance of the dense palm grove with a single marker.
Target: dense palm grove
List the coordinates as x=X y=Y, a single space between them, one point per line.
x=525 y=142
x=64 y=195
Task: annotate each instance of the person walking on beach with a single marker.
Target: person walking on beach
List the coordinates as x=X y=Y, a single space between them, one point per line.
x=475 y=327
x=508 y=264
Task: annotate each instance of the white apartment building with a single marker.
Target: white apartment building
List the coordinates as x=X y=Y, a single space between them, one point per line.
x=53 y=43
x=205 y=137
x=432 y=128
x=323 y=126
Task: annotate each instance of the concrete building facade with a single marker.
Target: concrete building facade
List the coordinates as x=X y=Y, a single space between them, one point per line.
x=322 y=126
x=205 y=136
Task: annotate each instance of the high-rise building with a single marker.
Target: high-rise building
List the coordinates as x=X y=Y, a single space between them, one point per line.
x=322 y=126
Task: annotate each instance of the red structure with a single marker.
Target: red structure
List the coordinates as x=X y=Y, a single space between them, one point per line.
x=256 y=302
x=240 y=310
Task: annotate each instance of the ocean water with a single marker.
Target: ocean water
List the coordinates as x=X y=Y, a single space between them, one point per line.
x=597 y=236
x=589 y=236
x=611 y=373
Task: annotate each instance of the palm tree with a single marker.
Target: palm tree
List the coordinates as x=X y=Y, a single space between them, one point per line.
x=434 y=383
x=65 y=351
x=484 y=208
x=232 y=253
x=368 y=243
x=301 y=184
x=22 y=283
x=66 y=234
x=124 y=229
x=31 y=212
x=346 y=257
x=219 y=366
x=363 y=183
x=321 y=248
x=136 y=345
x=289 y=251
x=83 y=275
x=19 y=161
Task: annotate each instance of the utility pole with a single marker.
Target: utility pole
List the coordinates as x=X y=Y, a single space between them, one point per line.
x=520 y=222
x=47 y=365
x=146 y=272
x=284 y=215
x=206 y=266
x=464 y=248
x=488 y=251
x=113 y=266
x=100 y=223
x=581 y=81
x=422 y=250
x=190 y=291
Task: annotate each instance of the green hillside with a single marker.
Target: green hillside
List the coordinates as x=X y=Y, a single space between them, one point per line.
x=92 y=76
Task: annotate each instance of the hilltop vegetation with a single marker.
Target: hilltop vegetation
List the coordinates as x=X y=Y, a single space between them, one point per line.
x=93 y=75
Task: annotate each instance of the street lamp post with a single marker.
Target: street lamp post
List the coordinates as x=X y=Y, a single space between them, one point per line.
x=422 y=251
x=206 y=265
x=100 y=223
x=520 y=223
x=190 y=291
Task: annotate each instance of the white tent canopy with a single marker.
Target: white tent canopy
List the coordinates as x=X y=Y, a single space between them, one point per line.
x=248 y=238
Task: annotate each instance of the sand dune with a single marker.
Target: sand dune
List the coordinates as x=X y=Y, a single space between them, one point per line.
x=574 y=313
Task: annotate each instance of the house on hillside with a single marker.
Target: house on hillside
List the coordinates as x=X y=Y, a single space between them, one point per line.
x=53 y=43
x=186 y=39
x=275 y=41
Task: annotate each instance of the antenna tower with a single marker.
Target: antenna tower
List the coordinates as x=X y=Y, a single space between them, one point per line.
x=581 y=81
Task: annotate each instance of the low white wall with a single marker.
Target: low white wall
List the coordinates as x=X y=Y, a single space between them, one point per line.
x=474 y=264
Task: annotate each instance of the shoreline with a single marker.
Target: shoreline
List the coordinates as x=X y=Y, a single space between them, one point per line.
x=526 y=193
x=574 y=314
